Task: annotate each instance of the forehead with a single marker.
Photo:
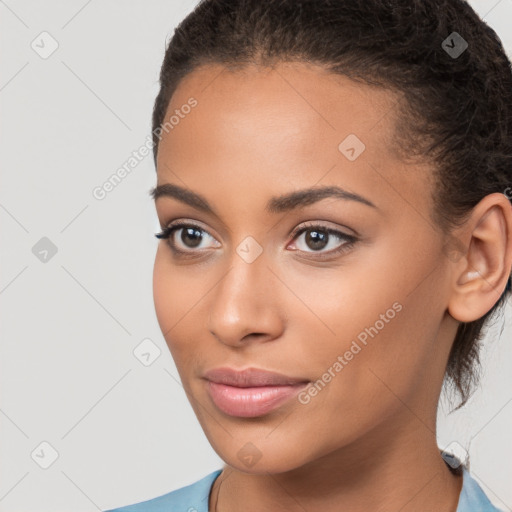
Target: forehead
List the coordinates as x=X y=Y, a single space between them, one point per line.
x=291 y=102
x=283 y=125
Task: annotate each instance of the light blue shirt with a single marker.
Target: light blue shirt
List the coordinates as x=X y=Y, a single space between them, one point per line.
x=194 y=498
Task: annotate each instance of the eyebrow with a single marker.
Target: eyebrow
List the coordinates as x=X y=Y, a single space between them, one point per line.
x=283 y=203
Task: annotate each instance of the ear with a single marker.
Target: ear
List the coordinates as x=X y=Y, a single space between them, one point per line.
x=481 y=273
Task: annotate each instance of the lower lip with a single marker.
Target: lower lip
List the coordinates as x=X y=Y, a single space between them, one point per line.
x=250 y=402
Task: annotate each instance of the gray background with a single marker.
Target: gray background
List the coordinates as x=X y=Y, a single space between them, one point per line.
x=123 y=431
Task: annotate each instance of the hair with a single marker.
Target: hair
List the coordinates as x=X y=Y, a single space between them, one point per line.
x=455 y=111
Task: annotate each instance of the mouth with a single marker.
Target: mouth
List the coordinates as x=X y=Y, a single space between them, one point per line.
x=252 y=392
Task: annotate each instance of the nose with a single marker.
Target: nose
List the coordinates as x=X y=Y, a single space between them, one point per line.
x=245 y=306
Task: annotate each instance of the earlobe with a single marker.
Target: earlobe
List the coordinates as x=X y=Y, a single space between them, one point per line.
x=481 y=276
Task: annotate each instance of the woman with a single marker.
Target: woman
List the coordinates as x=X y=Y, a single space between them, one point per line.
x=333 y=185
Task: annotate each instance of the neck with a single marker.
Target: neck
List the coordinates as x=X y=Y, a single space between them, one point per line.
x=405 y=473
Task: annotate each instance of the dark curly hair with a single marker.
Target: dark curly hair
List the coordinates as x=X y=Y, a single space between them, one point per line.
x=454 y=110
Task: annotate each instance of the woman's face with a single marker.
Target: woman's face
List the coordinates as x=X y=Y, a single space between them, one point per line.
x=260 y=282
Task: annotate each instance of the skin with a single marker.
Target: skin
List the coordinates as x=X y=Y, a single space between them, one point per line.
x=367 y=440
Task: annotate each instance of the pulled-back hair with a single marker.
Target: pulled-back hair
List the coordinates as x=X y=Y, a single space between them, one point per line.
x=454 y=110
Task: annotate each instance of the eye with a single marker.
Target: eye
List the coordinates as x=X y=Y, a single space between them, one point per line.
x=322 y=239
x=186 y=237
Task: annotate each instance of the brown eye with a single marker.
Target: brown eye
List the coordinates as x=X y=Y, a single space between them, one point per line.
x=322 y=240
x=190 y=237
x=316 y=240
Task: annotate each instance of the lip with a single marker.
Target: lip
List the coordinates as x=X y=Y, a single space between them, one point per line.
x=251 y=392
x=250 y=377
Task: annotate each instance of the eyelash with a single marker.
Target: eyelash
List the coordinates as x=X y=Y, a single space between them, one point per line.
x=350 y=240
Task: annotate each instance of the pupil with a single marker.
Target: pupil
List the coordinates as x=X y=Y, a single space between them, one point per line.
x=194 y=237
x=316 y=239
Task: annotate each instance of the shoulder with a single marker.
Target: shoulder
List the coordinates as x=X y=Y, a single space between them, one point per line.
x=192 y=498
x=472 y=497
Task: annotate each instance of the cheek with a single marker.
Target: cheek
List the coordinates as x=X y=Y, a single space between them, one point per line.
x=383 y=333
x=163 y=282
x=175 y=290
x=359 y=385
x=174 y=295
x=178 y=294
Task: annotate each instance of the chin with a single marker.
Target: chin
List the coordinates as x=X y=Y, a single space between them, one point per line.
x=255 y=452
x=270 y=463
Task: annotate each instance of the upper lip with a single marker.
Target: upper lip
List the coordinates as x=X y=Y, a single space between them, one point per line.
x=250 y=377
